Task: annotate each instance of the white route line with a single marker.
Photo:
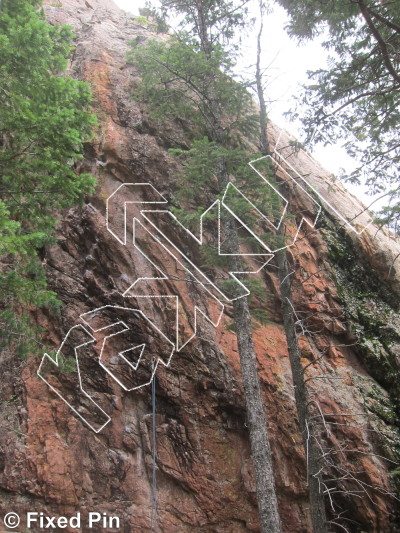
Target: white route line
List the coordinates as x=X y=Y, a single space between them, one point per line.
x=162 y=200
x=195 y=273
x=131 y=294
x=92 y=339
x=200 y=241
x=56 y=362
x=303 y=219
x=95 y=312
x=196 y=270
x=308 y=184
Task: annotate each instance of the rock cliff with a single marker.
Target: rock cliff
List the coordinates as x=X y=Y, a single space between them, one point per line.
x=346 y=293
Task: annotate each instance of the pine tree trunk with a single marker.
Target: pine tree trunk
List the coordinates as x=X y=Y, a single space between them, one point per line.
x=317 y=505
x=261 y=451
x=256 y=421
x=256 y=418
x=316 y=497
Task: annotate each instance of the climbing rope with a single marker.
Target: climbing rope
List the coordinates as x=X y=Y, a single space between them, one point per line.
x=154 y=453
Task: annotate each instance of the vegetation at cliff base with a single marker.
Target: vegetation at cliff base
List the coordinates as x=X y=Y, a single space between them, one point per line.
x=45 y=118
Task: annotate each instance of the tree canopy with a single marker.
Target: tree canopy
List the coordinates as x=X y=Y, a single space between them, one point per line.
x=45 y=118
x=358 y=94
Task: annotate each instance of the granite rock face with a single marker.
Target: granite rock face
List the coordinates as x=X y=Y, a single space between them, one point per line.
x=346 y=291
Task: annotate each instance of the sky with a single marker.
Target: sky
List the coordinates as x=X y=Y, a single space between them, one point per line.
x=288 y=65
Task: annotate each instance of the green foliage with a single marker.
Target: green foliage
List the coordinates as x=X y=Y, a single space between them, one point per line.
x=359 y=92
x=197 y=181
x=197 y=80
x=212 y=259
x=198 y=188
x=151 y=14
x=198 y=184
x=175 y=84
x=190 y=78
x=44 y=120
x=257 y=289
x=260 y=316
x=67 y=364
x=273 y=240
x=209 y=22
x=258 y=297
x=142 y=20
x=19 y=333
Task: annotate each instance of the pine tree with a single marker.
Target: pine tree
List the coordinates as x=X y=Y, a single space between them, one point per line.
x=189 y=78
x=317 y=505
x=45 y=118
x=359 y=92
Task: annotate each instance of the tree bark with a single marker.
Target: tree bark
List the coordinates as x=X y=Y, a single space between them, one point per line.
x=260 y=446
x=256 y=418
x=257 y=422
x=260 y=91
x=317 y=505
x=380 y=40
x=316 y=497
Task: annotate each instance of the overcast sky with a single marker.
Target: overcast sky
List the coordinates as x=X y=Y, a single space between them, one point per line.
x=289 y=63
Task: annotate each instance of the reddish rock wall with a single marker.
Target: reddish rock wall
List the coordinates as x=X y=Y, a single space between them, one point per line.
x=50 y=461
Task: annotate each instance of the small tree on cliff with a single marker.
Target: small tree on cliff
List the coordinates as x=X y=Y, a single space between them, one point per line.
x=189 y=78
x=44 y=120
